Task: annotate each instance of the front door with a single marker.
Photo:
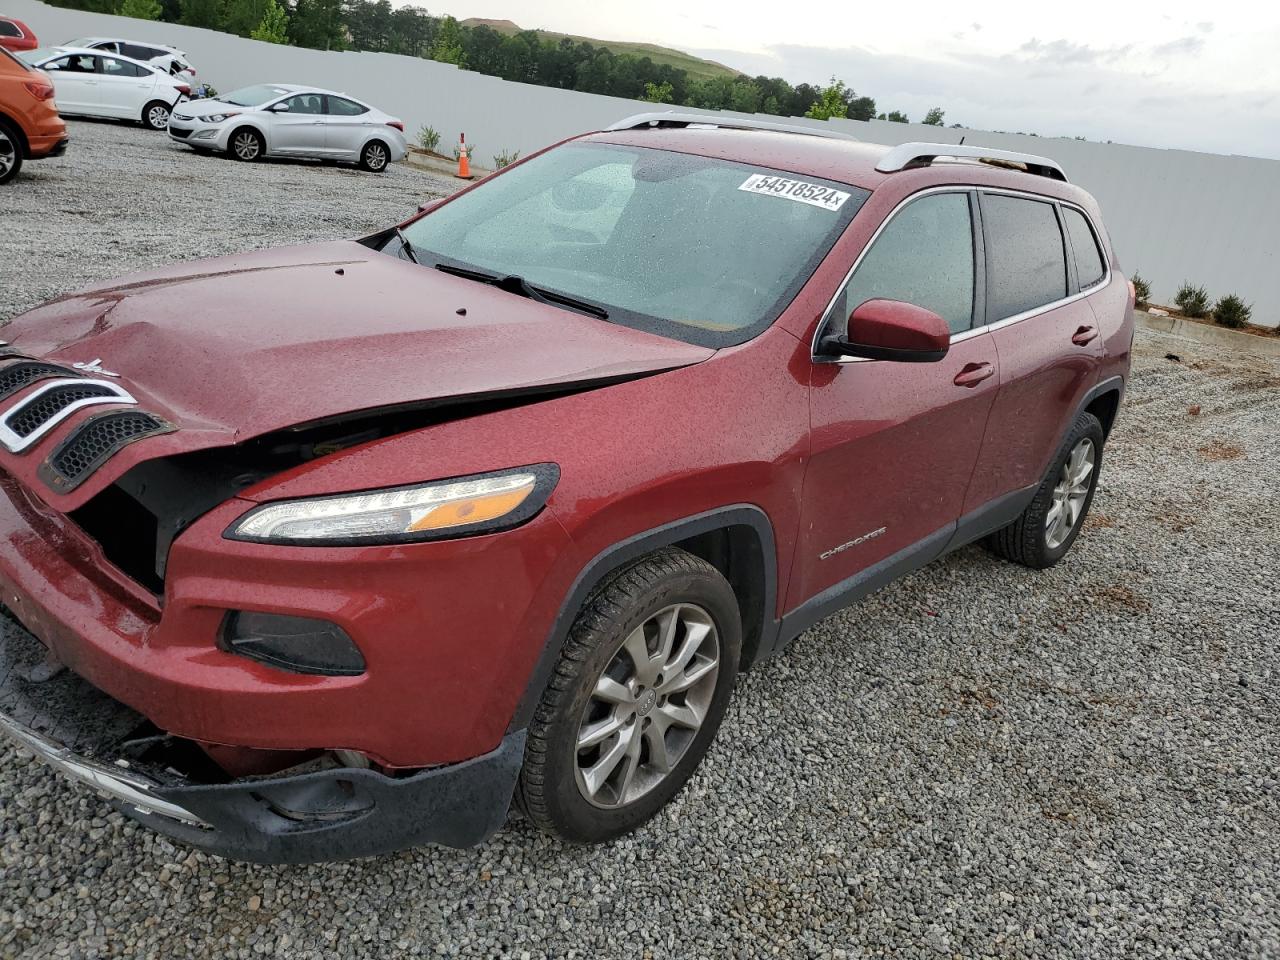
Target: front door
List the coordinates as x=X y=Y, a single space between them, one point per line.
x=301 y=129
x=75 y=83
x=894 y=443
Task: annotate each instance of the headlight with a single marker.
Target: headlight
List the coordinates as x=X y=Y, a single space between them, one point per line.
x=484 y=503
x=218 y=117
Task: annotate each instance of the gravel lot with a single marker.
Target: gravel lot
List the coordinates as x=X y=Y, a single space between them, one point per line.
x=978 y=761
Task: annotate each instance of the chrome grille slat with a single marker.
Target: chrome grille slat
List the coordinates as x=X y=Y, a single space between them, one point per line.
x=18 y=430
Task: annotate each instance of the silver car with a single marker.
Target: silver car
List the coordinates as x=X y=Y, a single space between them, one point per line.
x=286 y=120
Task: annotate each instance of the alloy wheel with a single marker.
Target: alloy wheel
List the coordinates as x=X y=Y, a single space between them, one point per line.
x=1070 y=494
x=647 y=706
x=246 y=146
x=158 y=117
x=8 y=154
x=375 y=156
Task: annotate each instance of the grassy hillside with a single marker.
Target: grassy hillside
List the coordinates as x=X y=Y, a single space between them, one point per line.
x=695 y=66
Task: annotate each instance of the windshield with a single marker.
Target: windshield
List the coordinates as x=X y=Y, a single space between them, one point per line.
x=252 y=96
x=703 y=250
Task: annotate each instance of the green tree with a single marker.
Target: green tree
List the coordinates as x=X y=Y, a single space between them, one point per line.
x=274 y=27
x=203 y=13
x=141 y=9
x=448 y=43
x=934 y=117
x=862 y=108
x=243 y=16
x=833 y=101
x=318 y=24
x=658 y=93
x=894 y=116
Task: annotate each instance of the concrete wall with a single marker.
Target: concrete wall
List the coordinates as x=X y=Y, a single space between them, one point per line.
x=1173 y=214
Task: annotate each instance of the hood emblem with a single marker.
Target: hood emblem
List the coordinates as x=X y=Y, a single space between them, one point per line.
x=95 y=366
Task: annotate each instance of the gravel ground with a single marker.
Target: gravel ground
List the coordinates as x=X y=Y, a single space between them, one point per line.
x=978 y=761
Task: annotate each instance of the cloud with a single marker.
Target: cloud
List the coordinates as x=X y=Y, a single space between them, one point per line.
x=1188 y=46
x=1065 y=52
x=1102 y=94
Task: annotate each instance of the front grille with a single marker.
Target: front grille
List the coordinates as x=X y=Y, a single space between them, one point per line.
x=48 y=405
x=93 y=443
x=180 y=134
x=17 y=375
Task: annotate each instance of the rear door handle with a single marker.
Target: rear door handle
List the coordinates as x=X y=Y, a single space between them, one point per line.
x=973 y=374
x=1084 y=335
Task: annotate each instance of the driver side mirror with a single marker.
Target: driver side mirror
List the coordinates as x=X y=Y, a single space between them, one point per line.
x=892 y=330
x=279 y=108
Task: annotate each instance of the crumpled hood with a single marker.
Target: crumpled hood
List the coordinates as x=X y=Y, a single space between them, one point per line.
x=248 y=344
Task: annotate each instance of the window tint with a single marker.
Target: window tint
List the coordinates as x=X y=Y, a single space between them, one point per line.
x=1027 y=264
x=138 y=52
x=925 y=257
x=308 y=103
x=80 y=63
x=1089 y=266
x=118 y=68
x=9 y=29
x=342 y=107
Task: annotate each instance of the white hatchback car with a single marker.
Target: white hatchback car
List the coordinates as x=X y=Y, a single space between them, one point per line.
x=89 y=83
x=157 y=54
x=284 y=120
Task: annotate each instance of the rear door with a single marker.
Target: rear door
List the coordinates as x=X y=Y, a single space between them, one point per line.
x=301 y=129
x=75 y=83
x=346 y=126
x=124 y=87
x=894 y=444
x=1045 y=333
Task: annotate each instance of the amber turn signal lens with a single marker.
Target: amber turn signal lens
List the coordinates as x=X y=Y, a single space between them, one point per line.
x=473 y=509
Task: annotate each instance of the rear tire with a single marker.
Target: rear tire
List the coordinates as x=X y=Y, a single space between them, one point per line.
x=1049 y=525
x=375 y=156
x=246 y=145
x=155 y=115
x=613 y=738
x=10 y=152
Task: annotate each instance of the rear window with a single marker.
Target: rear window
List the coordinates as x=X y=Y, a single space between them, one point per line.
x=1084 y=245
x=9 y=29
x=1026 y=262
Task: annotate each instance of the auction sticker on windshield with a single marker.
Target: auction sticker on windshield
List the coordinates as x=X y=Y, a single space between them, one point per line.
x=812 y=193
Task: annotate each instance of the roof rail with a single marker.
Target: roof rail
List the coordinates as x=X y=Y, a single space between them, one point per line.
x=910 y=155
x=671 y=119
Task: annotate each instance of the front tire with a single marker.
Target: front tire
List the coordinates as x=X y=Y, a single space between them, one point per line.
x=155 y=115
x=246 y=145
x=10 y=152
x=635 y=700
x=1049 y=525
x=375 y=156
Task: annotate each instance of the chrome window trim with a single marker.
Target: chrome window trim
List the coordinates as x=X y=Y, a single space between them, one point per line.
x=987 y=327
x=15 y=443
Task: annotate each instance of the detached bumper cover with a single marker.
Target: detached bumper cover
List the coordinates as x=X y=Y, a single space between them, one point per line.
x=334 y=814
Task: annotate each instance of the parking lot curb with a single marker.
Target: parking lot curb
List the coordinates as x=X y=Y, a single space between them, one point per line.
x=1204 y=333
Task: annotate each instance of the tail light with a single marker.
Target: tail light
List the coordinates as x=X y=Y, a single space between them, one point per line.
x=40 y=89
x=397 y=124
x=184 y=89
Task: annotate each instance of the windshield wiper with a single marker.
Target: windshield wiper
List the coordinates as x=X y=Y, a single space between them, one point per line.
x=408 y=247
x=518 y=285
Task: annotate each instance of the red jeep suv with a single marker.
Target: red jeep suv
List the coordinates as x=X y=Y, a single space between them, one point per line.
x=332 y=550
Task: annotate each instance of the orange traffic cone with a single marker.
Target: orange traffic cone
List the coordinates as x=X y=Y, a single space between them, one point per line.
x=464 y=162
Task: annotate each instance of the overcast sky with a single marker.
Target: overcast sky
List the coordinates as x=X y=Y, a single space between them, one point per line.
x=1201 y=76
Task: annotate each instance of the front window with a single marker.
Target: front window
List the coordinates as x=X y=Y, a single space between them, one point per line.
x=254 y=96
x=702 y=250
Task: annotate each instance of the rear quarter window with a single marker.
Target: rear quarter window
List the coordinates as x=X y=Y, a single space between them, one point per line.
x=1090 y=267
x=1026 y=260
x=9 y=29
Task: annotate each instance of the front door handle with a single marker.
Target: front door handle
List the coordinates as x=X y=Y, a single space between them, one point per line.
x=973 y=374
x=1084 y=335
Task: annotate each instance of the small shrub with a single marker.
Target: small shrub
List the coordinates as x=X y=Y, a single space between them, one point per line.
x=1232 y=312
x=1141 y=288
x=1193 y=301
x=505 y=158
x=429 y=138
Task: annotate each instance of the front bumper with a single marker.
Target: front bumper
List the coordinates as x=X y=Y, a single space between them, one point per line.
x=197 y=133
x=326 y=815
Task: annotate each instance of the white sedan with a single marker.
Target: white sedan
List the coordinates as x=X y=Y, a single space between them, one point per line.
x=284 y=120
x=88 y=83
x=157 y=54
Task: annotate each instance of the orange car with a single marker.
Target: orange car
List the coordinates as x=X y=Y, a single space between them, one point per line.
x=30 y=127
